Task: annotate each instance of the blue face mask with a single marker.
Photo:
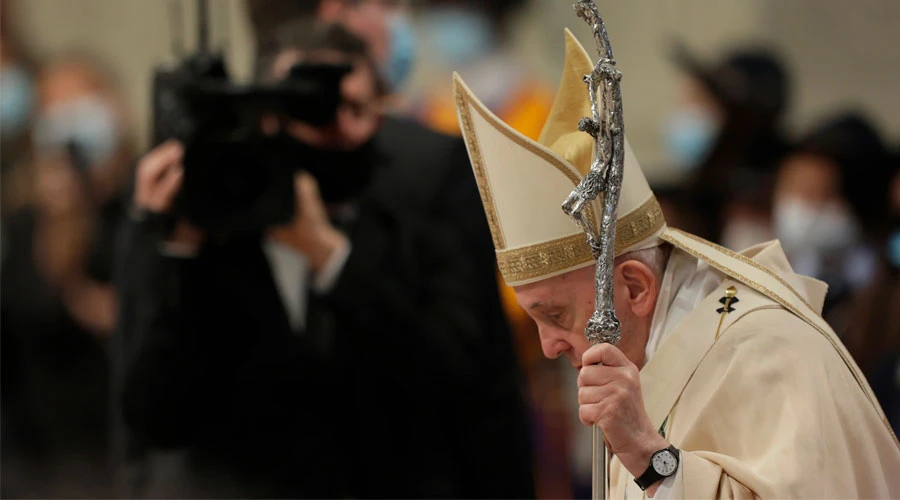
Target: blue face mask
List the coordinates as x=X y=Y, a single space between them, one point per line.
x=690 y=136
x=893 y=248
x=88 y=121
x=458 y=35
x=16 y=100
x=402 y=51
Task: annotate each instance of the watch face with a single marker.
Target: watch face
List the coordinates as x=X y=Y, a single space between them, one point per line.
x=665 y=463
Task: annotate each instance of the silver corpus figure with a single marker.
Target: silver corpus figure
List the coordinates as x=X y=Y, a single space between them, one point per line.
x=608 y=130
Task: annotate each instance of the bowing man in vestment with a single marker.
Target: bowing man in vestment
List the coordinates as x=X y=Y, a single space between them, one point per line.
x=727 y=382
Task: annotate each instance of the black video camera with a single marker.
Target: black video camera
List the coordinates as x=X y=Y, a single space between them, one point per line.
x=237 y=178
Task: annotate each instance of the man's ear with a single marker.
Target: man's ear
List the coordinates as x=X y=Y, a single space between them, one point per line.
x=641 y=285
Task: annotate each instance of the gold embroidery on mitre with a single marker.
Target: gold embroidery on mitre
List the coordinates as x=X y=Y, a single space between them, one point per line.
x=639 y=224
x=548 y=258
x=484 y=188
x=543 y=259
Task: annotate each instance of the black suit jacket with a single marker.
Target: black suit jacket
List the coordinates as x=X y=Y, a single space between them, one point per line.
x=404 y=385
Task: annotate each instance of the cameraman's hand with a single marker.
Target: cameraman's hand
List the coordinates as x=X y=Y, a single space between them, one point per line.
x=311 y=232
x=159 y=176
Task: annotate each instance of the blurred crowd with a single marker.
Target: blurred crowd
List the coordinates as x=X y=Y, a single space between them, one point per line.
x=95 y=405
x=829 y=195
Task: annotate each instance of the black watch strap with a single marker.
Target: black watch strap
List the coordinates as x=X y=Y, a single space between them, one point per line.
x=651 y=476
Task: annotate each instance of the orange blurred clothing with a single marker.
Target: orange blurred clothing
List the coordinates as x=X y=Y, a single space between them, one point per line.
x=525 y=110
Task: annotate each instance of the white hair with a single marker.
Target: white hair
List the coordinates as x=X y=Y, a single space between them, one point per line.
x=655 y=258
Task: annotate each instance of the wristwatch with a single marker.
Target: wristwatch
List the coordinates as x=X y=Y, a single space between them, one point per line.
x=663 y=464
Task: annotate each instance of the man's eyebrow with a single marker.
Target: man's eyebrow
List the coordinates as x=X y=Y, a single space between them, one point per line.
x=540 y=304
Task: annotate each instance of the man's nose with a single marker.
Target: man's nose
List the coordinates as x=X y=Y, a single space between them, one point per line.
x=552 y=343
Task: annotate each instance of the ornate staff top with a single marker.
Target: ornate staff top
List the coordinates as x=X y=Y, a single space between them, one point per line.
x=608 y=130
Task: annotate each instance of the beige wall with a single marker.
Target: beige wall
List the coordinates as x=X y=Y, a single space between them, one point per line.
x=841 y=52
x=131 y=35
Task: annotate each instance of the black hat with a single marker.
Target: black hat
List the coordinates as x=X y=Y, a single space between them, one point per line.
x=851 y=141
x=752 y=79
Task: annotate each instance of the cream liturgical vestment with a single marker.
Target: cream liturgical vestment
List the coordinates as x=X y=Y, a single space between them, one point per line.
x=762 y=402
x=743 y=374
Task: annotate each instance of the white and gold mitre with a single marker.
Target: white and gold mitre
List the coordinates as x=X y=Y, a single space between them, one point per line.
x=524 y=183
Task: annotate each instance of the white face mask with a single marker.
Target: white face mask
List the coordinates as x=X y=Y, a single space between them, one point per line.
x=741 y=233
x=803 y=227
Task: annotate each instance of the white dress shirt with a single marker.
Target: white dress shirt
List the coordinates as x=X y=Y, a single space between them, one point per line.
x=290 y=269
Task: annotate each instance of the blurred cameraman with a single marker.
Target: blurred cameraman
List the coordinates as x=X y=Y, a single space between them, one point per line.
x=341 y=355
x=490 y=430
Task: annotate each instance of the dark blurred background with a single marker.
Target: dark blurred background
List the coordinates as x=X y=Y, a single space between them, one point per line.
x=752 y=120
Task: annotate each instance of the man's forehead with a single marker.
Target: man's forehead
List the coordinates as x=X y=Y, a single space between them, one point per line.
x=556 y=291
x=540 y=295
x=288 y=58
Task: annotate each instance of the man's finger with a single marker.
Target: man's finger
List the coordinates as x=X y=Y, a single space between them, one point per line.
x=606 y=354
x=306 y=185
x=157 y=162
x=170 y=184
x=593 y=394
x=597 y=375
x=590 y=414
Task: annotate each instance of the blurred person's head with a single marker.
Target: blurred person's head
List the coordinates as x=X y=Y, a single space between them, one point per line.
x=17 y=99
x=344 y=156
x=383 y=25
x=726 y=135
x=833 y=188
x=362 y=91
x=893 y=241
x=727 y=106
x=460 y=32
x=81 y=116
x=678 y=208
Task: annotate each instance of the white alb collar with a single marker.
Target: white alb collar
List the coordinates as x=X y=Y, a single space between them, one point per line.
x=686 y=282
